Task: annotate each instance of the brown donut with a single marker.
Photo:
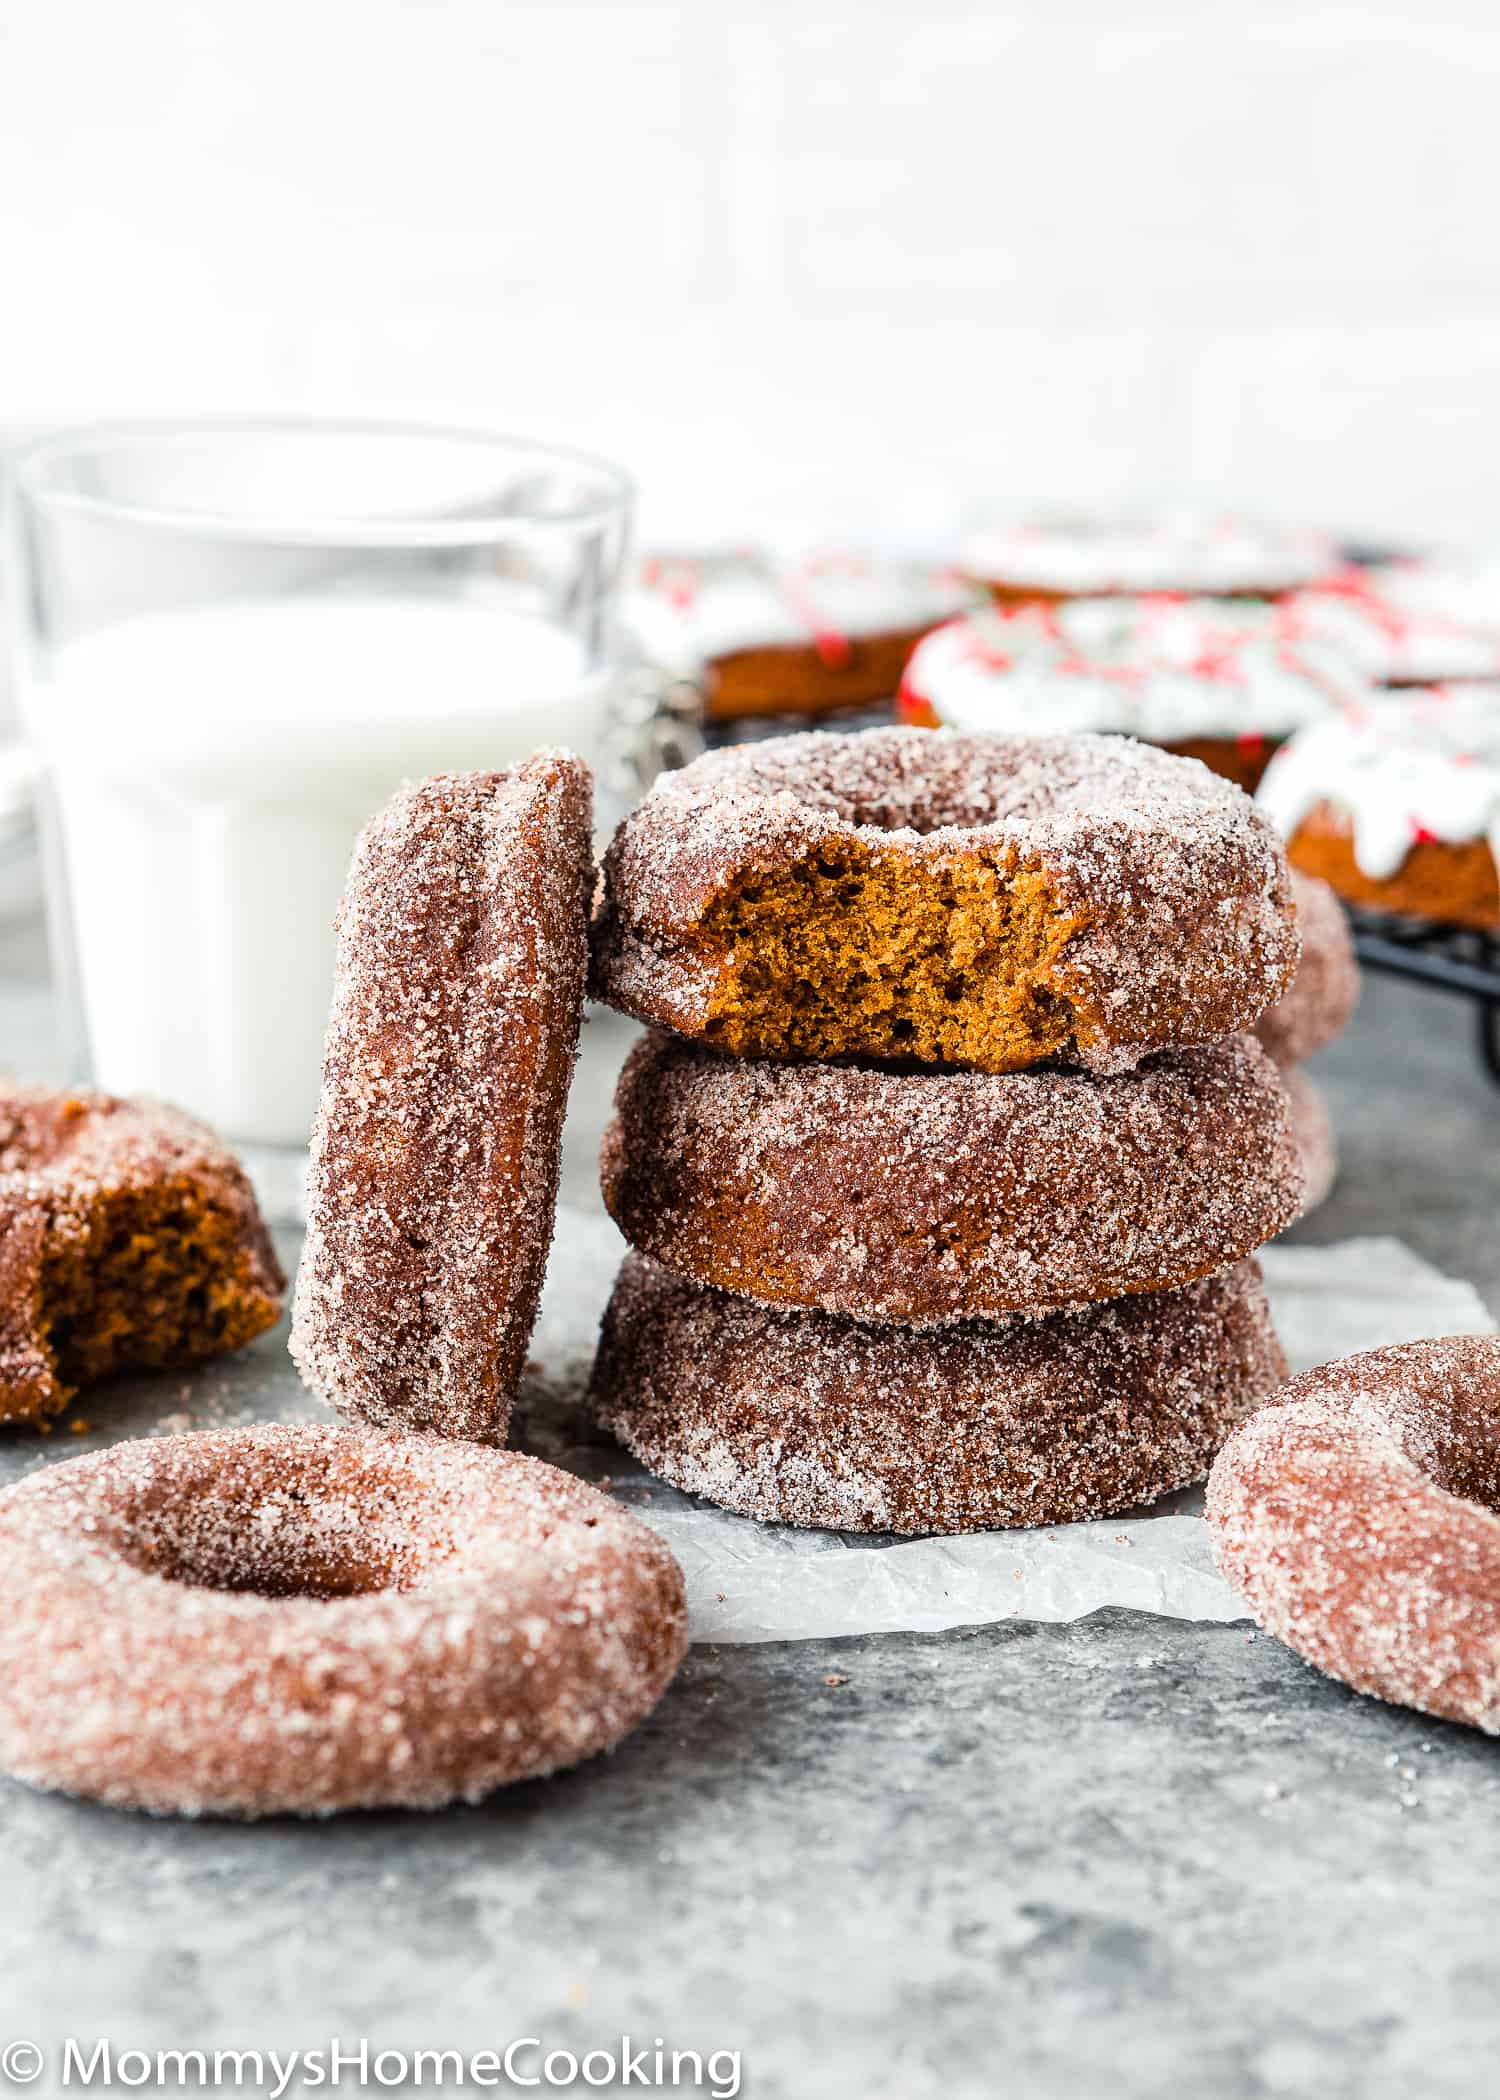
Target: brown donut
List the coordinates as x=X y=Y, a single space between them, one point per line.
x=296 y=1620
x=808 y=1418
x=435 y=1155
x=129 y=1241
x=1312 y=1130
x=1358 y=1518
x=1397 y=805
x=790 y=679
x=760 y=634
x=1454 y=881
x=925 y=1197
x=981 y=901
x=1325 y=991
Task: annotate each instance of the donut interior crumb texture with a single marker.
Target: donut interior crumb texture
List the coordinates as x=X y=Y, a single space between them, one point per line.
x=129 y=1241
x=844 y=953
x=944 y=898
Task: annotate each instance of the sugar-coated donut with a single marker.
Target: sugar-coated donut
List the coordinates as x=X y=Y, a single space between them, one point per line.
x=980 y=901
x=760 y=635
x=297 y=1620
x=808 y=1418
x=1397 y=805
x=1180 y=551
x=1359 y=1516
x=1312 y=1129
x=456 y=1011
x=1316 y=1006
x=927 y=1197
x=1218 y=679
x=129 y=1241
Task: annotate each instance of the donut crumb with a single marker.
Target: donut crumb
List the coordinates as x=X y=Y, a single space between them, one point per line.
x=842 y=953
x=131 y=1242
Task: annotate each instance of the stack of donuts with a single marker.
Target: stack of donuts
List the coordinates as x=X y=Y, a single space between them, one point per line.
x=946 y=1156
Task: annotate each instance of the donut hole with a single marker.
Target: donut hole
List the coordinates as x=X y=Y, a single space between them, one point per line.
x=1453 y=1437
x=854 y=952
x=320 y=1537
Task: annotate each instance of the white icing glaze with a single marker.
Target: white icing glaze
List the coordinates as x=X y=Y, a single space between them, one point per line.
x=686 y=613
x=1165 y=669
x=1462 y=588
x=1173 y=552
x=1392 y=642
x=1414 y=765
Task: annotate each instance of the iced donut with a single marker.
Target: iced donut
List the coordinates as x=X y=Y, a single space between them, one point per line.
x=807 y=1418
x=764 y=636
x=1312 y=1132
x=1461 y=588
x=455 y=1020
x=1397 y=805
x=980 y=901
x=1210 y=679
x=1364 y=613
x=1358 y=1518
x=926 y=1197
x=297 y=1620
x=1325 y=991
x=1178 y=551
x=129 y=1241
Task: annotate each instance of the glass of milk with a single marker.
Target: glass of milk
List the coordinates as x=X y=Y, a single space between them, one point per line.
x=234 y=642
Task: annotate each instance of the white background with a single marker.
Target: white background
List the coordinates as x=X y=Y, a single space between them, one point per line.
x=882 y=265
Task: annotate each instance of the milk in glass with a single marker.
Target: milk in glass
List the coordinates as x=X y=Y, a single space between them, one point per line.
x=209 y=770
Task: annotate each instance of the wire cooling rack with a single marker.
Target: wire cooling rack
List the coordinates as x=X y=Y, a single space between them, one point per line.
x=1444 y=958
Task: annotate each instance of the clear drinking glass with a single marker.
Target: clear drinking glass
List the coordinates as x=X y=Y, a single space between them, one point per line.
x=234 y=642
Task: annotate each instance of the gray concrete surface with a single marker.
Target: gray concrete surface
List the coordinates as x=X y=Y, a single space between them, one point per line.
x=1127 y=1857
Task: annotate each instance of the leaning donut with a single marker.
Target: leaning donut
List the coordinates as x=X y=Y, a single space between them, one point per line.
x=808 y=1418
x=979 y=901
x=1359 y=1517
x=435 y=1155
x=296 y=1620
x=925 y=1197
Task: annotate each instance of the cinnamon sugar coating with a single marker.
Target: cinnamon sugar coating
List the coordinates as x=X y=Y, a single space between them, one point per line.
x=808 y=1418
x=1359 y=1516
x=975 y=900
x=1317 y=1005
x=1312 y=1128
x=927 y=1197
x=129 y=1241
x=298 y=1620
x=450 y=1047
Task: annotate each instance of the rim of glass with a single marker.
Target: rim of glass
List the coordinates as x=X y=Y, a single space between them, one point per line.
x=28 y=479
